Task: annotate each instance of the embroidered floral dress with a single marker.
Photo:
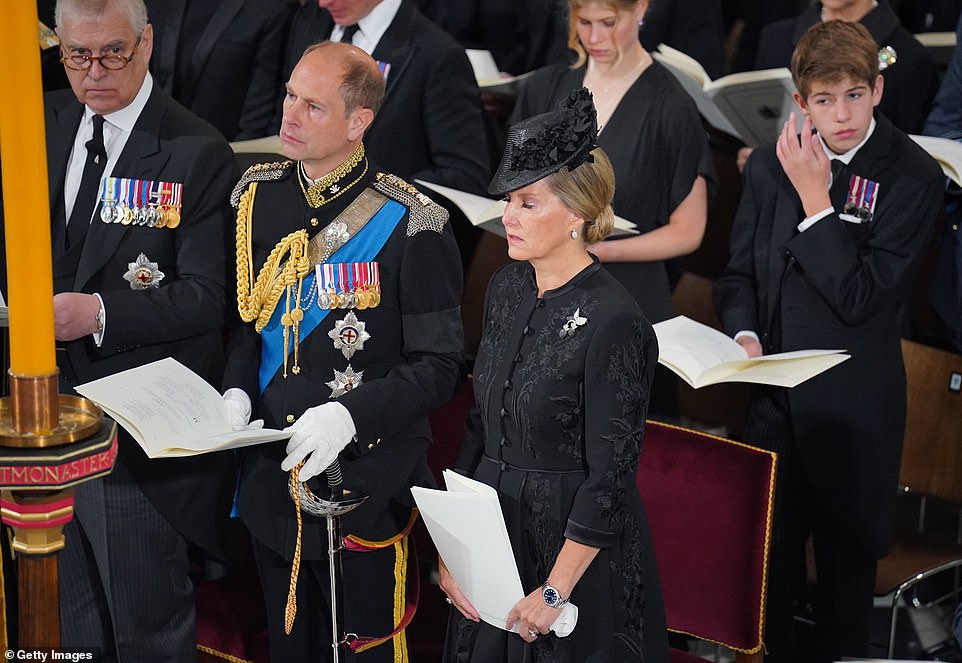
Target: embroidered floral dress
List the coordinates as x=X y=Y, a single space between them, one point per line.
x=562 y=386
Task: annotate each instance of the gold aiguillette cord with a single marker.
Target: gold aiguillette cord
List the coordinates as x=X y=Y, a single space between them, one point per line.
x=290 y=609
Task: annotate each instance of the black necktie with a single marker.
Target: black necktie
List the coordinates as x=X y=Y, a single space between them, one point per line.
x=349 y=31
x=88 y=193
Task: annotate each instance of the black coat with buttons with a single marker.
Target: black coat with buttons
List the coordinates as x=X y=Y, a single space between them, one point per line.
x=562 y=384
x=182 y=317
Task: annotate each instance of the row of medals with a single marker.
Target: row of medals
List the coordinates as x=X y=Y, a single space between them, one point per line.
x=367 y=296
x=153 y=216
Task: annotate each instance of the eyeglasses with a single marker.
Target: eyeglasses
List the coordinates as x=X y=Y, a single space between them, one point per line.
x=112 y=61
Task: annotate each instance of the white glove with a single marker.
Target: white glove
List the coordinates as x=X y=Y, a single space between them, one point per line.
x=239 y=410
x=322 y=432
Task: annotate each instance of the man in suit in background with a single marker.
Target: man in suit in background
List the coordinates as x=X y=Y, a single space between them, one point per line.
x=826 y=242
x=138 y=276
x=522 y=36
x=222 y=59
x=430 y=126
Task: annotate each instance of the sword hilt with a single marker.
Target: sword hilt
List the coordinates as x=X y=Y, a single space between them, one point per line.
x=333 y=474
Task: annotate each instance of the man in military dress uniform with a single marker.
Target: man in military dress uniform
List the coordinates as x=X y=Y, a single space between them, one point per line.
x=349 y=285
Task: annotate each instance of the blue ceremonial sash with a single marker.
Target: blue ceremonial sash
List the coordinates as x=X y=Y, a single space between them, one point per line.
x=362 y=247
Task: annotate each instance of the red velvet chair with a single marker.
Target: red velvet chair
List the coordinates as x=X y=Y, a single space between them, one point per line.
x=709 y=502
x=426 y=632
x=231 y=624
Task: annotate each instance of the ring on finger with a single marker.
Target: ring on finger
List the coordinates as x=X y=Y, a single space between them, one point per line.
x=448 y=599
x=533 y=633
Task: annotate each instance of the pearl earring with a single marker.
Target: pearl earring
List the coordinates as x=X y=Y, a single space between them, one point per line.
x=574 y=234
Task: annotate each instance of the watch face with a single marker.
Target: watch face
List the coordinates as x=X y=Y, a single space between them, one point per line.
x=550 y=595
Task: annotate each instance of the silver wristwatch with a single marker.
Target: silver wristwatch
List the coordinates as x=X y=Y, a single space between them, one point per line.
x=551 y=596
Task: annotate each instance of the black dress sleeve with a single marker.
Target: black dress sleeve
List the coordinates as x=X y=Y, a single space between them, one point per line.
x=617 y=378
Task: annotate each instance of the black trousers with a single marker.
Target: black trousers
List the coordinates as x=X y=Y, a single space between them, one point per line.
x=845 y=569
x=372 y=594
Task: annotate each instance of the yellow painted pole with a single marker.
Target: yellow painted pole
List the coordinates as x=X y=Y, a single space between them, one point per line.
x=26 y=203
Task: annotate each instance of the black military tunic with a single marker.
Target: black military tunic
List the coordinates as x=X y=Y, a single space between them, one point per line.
x=408 y=365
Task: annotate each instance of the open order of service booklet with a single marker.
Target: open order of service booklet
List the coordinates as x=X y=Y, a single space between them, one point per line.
x=701 y=356
x=486 y=213
x=946 y=151
x=467 y=527
x=266 y=145
x=750 y=105
x=489 y=78
x=171 y=411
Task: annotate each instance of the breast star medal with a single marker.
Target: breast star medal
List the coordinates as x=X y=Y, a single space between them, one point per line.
x=344 y=381
x=142 y=274
x=572 y=323
x=336 y=233
x=349 y=335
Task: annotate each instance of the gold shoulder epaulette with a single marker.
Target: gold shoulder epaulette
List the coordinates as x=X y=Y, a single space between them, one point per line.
x=259 y=172
x=423 y=213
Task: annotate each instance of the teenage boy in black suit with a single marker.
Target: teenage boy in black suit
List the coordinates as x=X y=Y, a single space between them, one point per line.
x=826 y=241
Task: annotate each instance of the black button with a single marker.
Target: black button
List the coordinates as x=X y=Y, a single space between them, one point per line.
x=504 y=442
x=540 y=303
x=527 y=330
x=504 y=466
x=504 y=413
x=507 y=384
x=517 y=358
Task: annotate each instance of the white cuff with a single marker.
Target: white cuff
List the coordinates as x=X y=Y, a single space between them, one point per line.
x=750 y=334
x=99 y=335
x=810 y=221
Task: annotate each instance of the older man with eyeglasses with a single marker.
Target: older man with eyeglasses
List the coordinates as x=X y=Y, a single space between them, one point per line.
x=139 y=192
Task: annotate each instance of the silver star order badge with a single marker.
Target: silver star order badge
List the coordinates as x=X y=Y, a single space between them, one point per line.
x=143 y=274
x=344 y=381
x=336 y=232
x=349 y=335
x=572 y=323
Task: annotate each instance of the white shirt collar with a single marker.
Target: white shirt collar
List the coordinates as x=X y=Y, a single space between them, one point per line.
x=847 y=157
x=371 y=27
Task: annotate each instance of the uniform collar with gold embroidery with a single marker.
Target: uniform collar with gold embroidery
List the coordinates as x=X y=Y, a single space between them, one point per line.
x=341 y=179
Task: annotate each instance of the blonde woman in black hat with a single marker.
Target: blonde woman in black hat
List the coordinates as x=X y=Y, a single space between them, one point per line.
x=562 y=381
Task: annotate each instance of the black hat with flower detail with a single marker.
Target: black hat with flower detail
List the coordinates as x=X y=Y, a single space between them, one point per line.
x=546 y=143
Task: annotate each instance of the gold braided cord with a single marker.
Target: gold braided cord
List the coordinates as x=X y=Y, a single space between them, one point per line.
x=230 y=658
x=400 y=585
x=290 y=610
x=256 y=300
